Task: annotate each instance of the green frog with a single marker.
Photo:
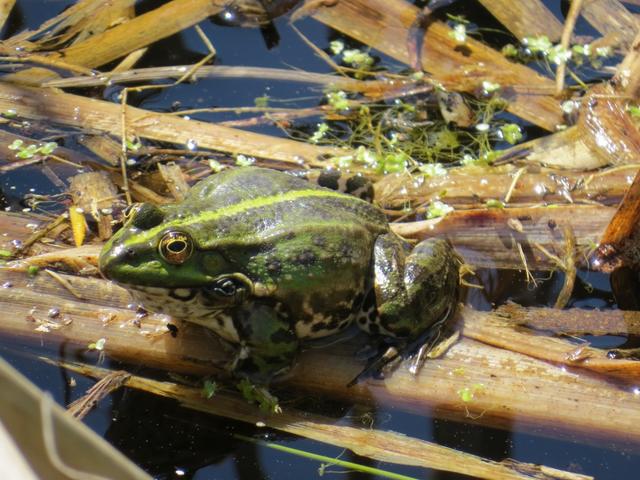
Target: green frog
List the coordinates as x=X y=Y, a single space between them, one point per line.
x=267 y=260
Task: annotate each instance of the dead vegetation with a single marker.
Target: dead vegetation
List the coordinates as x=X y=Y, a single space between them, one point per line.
x=447 y=162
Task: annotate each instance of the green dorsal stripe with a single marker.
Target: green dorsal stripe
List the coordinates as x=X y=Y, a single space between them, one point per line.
x=241 y=207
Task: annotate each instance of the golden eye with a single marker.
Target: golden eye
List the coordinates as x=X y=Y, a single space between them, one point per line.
x=176 y=247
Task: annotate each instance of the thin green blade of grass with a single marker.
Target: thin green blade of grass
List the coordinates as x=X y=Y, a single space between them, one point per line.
x=323 y=458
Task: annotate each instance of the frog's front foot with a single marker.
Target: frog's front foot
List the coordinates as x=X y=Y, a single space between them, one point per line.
x=269 y=344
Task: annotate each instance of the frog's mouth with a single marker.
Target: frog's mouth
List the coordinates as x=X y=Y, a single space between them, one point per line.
x=186 y=304
x=223 y=292
x=156 y=295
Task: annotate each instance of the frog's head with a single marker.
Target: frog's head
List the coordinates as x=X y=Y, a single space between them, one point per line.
x=156 y=248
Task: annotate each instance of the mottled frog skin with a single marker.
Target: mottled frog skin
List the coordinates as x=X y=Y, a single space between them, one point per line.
x=267 y=260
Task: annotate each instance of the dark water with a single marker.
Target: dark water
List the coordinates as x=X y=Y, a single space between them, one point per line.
x=171 y=442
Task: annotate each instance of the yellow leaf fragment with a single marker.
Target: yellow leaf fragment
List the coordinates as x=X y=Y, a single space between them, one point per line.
x=78 y=225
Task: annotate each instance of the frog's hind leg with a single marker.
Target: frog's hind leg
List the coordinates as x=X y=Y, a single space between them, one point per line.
x=269 y=343
x=415 y=288
x=415 y=292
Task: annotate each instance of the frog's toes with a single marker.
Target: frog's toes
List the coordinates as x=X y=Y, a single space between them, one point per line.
x=468 y=270
x=239 y=353
x=384 y=359
x=367 y=351
x=425 y=345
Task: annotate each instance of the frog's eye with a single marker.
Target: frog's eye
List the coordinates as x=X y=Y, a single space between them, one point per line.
x=176 y=247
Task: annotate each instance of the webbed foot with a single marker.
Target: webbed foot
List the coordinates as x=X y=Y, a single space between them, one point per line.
x=389 y=356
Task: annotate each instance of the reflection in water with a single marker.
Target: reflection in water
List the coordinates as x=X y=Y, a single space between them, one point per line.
x=485 y=442
x=357 y=415
x=248 y=462
x=172 y=442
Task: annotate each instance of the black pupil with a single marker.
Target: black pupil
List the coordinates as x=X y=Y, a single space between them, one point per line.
x=177 y=246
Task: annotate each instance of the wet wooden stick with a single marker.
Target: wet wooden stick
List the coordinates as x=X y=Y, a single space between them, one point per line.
x=368 y=87
x=107 y=385
x=140 y=32
x=568 y=267
x=499 y=328
x=573 y=321
x=626 y=79
x=486 y=237
x=127 y=37
x=472 y=187
x=604 y=135
x=5 y=9
x=612 y=18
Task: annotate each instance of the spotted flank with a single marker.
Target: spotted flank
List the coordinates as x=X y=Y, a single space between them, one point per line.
x=310 y=323
x=188 y=304
x=192 y=305
x=367 y=318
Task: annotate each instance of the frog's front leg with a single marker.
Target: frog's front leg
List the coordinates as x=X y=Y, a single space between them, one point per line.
x=414 y=289
x=268 y=342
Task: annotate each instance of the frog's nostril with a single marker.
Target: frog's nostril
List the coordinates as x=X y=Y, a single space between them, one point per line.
x=130 y=252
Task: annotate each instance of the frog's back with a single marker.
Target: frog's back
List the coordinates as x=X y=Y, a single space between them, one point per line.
x=249 y=206
x=233 y=186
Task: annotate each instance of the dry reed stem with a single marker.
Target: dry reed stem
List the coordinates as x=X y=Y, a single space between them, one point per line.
x=612 y=18
x=525 y=19
x=485 y=237
x=367 y=87
x=472 y=187
x=385 y=446
x=5 y=9
x=445 y=60
x=127 y=37
x=102 y=116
